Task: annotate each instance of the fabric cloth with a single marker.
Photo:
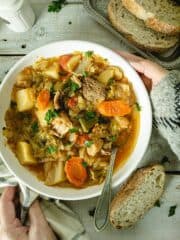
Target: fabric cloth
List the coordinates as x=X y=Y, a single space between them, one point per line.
x=166 y=109
x=63 y=220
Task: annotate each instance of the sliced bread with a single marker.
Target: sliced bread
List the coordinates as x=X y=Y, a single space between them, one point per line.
x=135 y=30
x=162 y=15
x=137 y=196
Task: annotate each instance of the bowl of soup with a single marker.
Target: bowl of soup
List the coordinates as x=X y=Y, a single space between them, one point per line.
x=64 y=107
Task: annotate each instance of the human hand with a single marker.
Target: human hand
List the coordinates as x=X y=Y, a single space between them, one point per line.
x=150 y=72
x=11 y=227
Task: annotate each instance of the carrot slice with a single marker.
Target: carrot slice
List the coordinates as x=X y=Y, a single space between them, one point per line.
x=63 y=61
x=81 y=139
x=75 y=171
x=43 y=99
x=114 y=108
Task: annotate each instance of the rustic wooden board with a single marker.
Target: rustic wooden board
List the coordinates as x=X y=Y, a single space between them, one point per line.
x=51 y=27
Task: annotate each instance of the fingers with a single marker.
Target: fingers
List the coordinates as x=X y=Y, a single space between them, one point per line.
x=7 y=209
x=149 y=69
x=17 y=223
x=135 y=61
x=36 y=215
x=39 y=227
x=129 y=56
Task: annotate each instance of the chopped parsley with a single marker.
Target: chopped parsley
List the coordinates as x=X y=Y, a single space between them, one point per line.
x=85 y=74
x=74 y=86
x=51 y=113
x=110 y=81
x=89 y=115
x=138 y=107
x=35 y=127
x=56 y=5
x=88 y=143
x=89 y=53
x=73 y=130
x=157 y=203
x=112 y=138
x=51 y=149
x=84 y=164
x=172 y=210
x=70 y=87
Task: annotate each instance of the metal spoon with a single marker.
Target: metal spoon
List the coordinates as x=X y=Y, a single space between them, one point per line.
x=102 y=208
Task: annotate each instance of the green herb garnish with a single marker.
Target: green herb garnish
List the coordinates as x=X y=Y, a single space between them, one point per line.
x=89 y=53
x=74 y=86
x=85 y=74
x=112 y=138
x=73 y=130
x=157 y=203
x=51 y=113
x=35 y=127
x=110 y=81
x=56 y=5
x=172 y=210
x=88 y=143
x=84 y=164
x=51 y=149
x=138 y=107
x=70 y=86
x=89 y=115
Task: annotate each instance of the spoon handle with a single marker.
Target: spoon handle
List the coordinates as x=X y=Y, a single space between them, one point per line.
x=102 y=208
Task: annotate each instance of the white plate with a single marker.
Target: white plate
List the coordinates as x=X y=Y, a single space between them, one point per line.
x=56 y=49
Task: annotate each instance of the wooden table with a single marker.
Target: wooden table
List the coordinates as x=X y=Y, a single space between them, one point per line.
x=72 y=22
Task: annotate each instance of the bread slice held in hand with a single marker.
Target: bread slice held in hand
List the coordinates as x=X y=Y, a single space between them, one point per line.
x=135 y=30
x=137 y=196
x=161 y=15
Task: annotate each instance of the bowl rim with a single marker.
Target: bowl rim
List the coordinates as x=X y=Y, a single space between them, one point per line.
x=149 y=120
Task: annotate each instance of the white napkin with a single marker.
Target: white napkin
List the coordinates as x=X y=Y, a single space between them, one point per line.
x=63 y=220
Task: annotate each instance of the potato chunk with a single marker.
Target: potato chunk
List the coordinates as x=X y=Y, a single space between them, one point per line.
x=52 y=71
x=25 y=99
x=54 y=172
x=105 y=76
x=73 y=62
x=118 y=74
x=24 y=153
x=41 y=113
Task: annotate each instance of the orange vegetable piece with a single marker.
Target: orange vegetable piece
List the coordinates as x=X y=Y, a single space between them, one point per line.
x=43 y=99
x=72 y=102
x=81 y=139
x=76 y=173
x=114 y=108
x=63 y=61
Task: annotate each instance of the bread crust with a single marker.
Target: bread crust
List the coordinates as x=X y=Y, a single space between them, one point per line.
x=130 y=37
x=128 y=187
x=150 y=19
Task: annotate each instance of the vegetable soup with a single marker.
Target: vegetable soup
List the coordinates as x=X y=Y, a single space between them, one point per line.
x=65 y=116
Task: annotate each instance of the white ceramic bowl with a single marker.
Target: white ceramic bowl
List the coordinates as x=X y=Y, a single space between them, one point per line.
x=59 y=48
